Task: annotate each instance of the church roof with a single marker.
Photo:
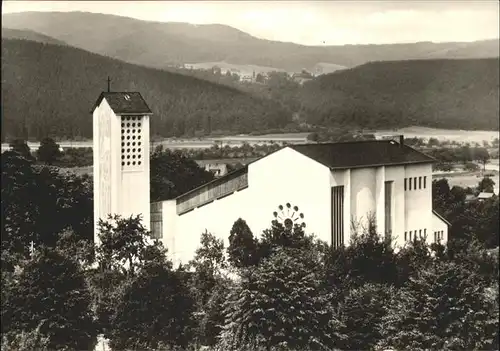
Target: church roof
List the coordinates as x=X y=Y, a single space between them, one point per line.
x=123 y=103
x=358 y=154
x=354 y=154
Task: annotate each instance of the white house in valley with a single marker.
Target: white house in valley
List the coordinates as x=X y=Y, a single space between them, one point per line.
x=331 y=187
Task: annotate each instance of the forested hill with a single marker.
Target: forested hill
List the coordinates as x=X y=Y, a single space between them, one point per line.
x=137 y=41
x=50 y=90
x=457 y=94
x=26 y=34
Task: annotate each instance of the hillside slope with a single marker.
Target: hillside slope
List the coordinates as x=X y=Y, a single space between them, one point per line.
x=138 y=41
x=26 y=34
x=455 y=94
x=50 y=89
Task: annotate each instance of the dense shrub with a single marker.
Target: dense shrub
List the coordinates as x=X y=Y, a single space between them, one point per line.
x=280 y=304
x=154 y=309
x=441 y=307
x=51 y=294
x=361 y=313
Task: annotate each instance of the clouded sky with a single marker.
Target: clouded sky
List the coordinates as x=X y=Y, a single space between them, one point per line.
x=310 y=22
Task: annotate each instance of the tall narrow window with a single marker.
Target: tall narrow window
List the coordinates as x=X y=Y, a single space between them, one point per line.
x=406 y=236
x=388 y=209
x=420 y=182
x=156 y=220
x=420 y=233
x=425 y=182
x=406 y=179
x=415 y=183
x=409 y=183
x=337 y=216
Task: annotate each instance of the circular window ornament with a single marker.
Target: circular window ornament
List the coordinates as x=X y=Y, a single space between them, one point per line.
x=289 y=216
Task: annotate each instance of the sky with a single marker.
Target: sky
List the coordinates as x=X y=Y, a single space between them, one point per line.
x=310 y=22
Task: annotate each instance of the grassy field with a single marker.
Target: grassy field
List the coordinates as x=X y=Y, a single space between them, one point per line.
x=467 y=179
x=443 y=134
x=236 y=140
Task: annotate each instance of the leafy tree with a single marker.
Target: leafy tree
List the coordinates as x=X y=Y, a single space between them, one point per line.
x=483 y=156
x=371 y=258
x=243 y=247
x=207 y=286
x=19 y=216
x=48 y=152
x=313 y=137
x=154 y=310
x=72 y=246
x=486 y=184
x=280 y=303
x=26 y=341
x=413 y=257
x=21 y=147
x=128 y=259
x=211 y=317
x=123 y=244
x=280 y=236
x=31 y=195
x=173 y=174
x=361 y=313
x=475 y=257
x=442 y=307
x=68 y=200
x=51 y=294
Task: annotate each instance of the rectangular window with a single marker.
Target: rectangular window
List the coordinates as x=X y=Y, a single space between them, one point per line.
x=425 y=234
x=409 y=183
x=156 y=220
x=420 y=233
x=410 y=234
x=388 y=209
x=425 y=181
x=337 y=219
x=415 y=183
x=420 y=182
x=406 y=236
x=405 y=183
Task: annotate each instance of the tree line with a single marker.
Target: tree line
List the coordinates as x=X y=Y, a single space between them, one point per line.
x=280 y=289
x=446 y=154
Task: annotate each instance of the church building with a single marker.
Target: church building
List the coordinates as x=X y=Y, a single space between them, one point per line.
x=329 y=188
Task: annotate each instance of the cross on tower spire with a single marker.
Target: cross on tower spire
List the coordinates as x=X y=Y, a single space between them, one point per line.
x=109 y=84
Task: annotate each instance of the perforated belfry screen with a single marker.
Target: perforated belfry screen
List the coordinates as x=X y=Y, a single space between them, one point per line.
x=132 y=143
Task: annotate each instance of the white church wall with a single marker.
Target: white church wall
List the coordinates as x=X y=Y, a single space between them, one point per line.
x=283 y=177
x=102 y=144
x=396 y=174
x=418 y=202
x=287 y=176
x=182 y=233
x=363 y=190
x=169 y=225
x=439 y=230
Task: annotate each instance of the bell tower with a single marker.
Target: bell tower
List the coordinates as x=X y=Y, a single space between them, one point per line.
x=121 y=156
